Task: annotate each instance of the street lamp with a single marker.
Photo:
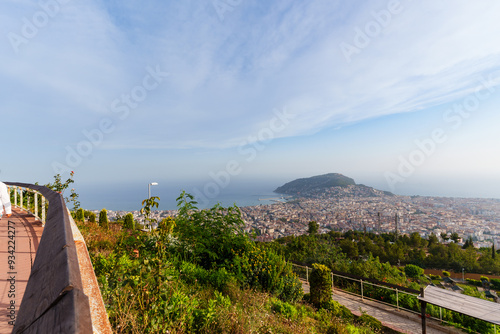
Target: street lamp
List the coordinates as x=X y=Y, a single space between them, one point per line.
x=149 y=188
x=463 y=274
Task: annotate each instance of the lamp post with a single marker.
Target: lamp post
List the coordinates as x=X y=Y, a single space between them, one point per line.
x=149 y=188
x=463 y=274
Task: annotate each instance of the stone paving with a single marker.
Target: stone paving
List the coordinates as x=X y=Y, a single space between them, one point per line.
x=19 y=238
x=402 y=321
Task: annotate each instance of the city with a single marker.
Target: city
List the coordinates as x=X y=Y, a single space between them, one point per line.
x=367 y=209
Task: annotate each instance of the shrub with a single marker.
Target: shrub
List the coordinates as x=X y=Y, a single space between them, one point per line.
x=474 y=282
x=292 y=287
x=92 y=218
x=413 y=271
x=103 y=219
x=219 y=278
x=496 y=283
x=337 y=309
x=80 y=215
x=484 y=278
x=446 y=274
x=128 y=221
x=435 y=276
x=321 y=284
x=368 y=320
x=287 y=310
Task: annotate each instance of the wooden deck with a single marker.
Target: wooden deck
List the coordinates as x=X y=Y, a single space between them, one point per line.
x=474 y=307
x=19 y=238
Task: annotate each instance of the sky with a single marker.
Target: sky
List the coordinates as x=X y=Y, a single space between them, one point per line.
x=210 y=95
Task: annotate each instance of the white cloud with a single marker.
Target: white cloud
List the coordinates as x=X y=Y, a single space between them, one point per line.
x=228 y=76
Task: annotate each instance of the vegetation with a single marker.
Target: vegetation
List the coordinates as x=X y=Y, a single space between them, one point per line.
x=413 y=271
x=60 y=187
x=198 y=273
x=315 y=183
x=321 y=284
x=103 y=219
x=362 y=254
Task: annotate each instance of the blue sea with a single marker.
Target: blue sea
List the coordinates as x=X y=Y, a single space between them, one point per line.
x=128 y=197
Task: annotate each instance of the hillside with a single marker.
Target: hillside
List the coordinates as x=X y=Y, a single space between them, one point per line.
x=329 y=185
x=315 y=183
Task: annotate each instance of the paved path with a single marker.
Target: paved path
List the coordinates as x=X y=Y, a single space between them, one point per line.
x=22 y=231
x=402 y=321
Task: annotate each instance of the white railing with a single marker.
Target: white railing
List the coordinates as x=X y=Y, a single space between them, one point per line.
x=24 y=196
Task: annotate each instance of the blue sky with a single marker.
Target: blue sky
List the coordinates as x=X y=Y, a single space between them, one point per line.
x=400 y=95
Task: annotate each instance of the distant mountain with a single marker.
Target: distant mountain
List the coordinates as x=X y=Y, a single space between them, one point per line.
x=329 y=185
x=315 y=183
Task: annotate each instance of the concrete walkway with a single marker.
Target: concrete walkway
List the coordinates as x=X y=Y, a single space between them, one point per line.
x=401 y=321
x=19 y=238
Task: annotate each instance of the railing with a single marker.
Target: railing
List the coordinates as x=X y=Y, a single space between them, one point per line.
x=22 y=198
x=363 y=282
x=54 y=300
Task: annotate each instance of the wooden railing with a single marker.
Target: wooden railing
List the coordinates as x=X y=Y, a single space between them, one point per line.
x=54 y=300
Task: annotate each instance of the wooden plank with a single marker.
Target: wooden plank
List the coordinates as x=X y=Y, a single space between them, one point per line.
x=471 y=306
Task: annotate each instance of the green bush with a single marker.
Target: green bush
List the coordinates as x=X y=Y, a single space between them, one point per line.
x=80 y=215
x=337 y=309
x=484 y=278
x=128 y=221
x=220 y=278
x=321 y=284
x=474 y=282
x=413 y=271
x=103 y=219
x=496 y=283
x=368 y=320
x=446 y=273
x=292 y=287
x=435 y=276
x=287 y=310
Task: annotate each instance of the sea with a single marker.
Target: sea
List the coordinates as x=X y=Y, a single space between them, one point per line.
x=128 y=196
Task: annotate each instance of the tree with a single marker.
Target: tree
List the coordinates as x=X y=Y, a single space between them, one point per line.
x=433 y=240
x=468 y=243
x=92 y=217
x=313 y=227
x=349 y=248
x=454 y=236
x=213 y=236
x=103 y=219
x=80 y=215
x=128 y=221
x=444 y=236
x=493 y=252
x=415 y=239
x=321 y=284
x=149 y=203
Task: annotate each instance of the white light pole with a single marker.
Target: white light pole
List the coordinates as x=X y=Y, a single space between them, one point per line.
x=149 y=188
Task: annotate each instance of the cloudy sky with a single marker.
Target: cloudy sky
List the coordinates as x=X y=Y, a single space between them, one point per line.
x=400 y=95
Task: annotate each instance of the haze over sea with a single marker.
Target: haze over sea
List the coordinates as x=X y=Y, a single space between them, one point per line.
x=128 y=196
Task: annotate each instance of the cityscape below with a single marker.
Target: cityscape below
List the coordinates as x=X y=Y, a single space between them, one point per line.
x=362 y=208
